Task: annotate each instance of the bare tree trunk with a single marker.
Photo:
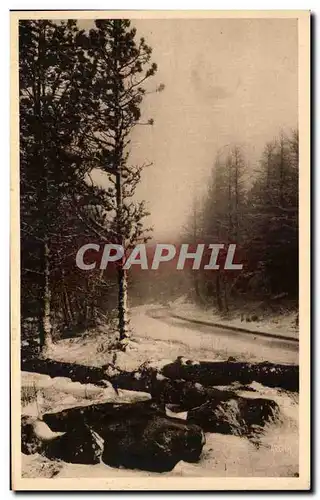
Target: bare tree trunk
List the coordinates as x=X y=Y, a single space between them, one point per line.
x=45 y=334
x=122 y=303
x=45 y=316
x=123 y=321
x=69 y=314
x=66 y=302
x=118 y=151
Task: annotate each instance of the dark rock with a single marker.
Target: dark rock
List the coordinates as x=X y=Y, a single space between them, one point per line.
x=153 y=444
x=138 y=436
x=78 y=373
x=79 y=446
x=234 y=415
x=30 y=442
x=174 y=408
x=225 y=372
x=258 y=411
x=148 y=379
x=97 y=415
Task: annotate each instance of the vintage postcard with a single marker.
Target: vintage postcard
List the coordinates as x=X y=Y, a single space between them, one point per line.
x=160 y=250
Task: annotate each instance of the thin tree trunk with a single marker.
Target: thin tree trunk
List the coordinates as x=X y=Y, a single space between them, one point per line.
x=122 y=276
x=123 y=322
x=45 y=333
x=66 y=301
x=122 y=303
x=45 y=315
x=68 y=307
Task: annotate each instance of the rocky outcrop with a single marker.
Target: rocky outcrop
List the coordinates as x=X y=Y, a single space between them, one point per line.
x=31 y=442
x=80 y=445
x=98 y=416
x=146 y=378
x=136 y=436
x=140 y=434
x=226 y=372
x=235 y=415
x=154 y=444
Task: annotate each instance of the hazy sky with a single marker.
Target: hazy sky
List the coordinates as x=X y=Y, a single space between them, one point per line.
x=227 y=80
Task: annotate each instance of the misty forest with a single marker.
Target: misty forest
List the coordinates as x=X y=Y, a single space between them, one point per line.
x=151 y=370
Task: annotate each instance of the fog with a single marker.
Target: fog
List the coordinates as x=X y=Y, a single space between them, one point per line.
x=226 y=81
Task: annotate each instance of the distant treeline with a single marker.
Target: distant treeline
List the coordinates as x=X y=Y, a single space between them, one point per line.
x=259 y=214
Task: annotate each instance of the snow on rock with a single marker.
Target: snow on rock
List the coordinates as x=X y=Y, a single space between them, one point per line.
x=234 y=415
x=43 y=393
x=125 y=396
x=182 y=415
x=34 y=433
x=276 y=451
x=80 y=445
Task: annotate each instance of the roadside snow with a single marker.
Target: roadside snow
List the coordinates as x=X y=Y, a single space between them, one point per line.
x=159 y=339
x=278 y=324
x=173 y=337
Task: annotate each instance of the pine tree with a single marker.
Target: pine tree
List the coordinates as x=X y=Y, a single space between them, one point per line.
x=55 y=76
x=224 y=213
x=273 y=216
x=123 y=66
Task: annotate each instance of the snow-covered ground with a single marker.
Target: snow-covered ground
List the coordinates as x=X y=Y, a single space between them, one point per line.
x=274 y=454
x=209 y=343
x=159 y=337
x=281 y=323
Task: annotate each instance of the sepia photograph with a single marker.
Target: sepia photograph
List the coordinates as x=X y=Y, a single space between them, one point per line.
x=160 y=250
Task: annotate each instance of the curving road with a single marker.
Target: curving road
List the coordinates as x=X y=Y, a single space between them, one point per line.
x=212 y=342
